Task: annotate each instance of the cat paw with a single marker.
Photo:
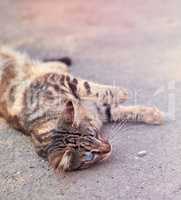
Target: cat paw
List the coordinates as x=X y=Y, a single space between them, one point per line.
x=153 y=116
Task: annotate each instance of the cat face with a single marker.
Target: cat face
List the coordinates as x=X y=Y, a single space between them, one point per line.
x=82 y=139
x=90 y=151
x=80 y=152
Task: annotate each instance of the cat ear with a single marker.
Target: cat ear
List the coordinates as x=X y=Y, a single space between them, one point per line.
x=69 y=112
x=70 y=160
x=65 y=162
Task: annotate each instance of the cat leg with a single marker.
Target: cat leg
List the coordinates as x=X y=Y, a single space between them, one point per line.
x=104 y=94
x=143 y=114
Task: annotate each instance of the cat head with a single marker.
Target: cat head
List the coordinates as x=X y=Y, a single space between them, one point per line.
x=78 y=142
x=76 y=156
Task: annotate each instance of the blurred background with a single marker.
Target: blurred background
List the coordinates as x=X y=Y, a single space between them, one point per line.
x=135 y=44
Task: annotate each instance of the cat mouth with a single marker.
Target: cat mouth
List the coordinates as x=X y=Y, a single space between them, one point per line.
x=105 y=156
x=103 y=152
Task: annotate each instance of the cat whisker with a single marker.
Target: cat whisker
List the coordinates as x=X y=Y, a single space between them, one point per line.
x=120 y=125
x=118 y=128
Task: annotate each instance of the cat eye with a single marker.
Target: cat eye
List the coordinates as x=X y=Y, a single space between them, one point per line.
x=88 y=156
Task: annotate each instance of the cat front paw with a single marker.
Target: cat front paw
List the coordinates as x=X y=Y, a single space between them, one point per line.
x=153 y=115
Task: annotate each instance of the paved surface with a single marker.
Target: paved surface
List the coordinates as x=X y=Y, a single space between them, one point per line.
x=136 y=44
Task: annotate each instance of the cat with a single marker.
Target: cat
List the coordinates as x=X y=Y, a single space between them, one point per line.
x=61 y=113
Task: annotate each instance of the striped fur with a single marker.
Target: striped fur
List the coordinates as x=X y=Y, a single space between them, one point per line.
x=61 y=113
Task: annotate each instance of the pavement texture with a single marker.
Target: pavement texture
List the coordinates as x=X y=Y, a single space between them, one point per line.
x=135 y=44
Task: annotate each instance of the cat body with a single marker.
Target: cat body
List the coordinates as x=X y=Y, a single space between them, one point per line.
x=62 y=114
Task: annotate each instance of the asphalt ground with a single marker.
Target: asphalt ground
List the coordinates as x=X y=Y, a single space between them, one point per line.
x=135 y=44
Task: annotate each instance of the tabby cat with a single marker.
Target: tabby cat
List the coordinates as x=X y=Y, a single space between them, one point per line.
x=62 y=114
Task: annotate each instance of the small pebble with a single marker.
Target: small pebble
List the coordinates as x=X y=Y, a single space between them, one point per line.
x=142 y=153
